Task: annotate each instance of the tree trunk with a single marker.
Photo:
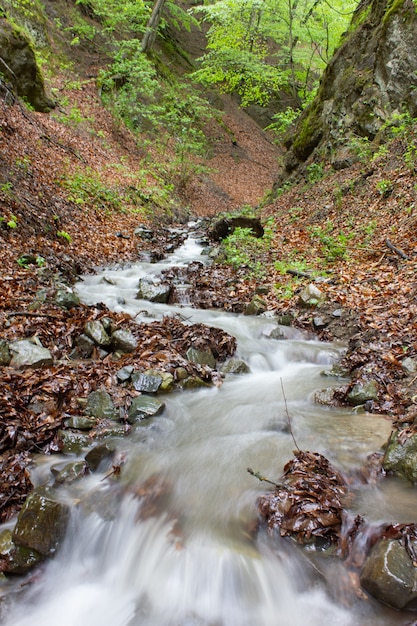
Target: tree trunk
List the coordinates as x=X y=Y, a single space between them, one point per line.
x=152 y=26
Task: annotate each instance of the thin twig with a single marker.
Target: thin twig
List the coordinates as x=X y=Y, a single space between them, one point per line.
x=288 y=415
x=263 y=478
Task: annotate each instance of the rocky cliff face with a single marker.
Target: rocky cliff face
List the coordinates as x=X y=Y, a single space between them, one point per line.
x=18 y=67
x=371 y=76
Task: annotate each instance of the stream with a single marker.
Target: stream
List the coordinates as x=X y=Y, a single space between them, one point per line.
x=193 y=561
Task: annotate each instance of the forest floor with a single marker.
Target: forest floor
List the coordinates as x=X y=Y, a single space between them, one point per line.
x=350 y=232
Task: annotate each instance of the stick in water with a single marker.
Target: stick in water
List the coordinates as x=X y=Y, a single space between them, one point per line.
x=288 y=415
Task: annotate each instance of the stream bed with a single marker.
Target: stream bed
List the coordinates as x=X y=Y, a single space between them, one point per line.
x=191 y=560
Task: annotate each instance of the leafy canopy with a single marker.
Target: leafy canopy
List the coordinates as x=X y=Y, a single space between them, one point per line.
x=259 y=47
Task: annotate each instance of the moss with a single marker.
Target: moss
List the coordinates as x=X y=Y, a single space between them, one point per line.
x=393 y=7
x=309 y=131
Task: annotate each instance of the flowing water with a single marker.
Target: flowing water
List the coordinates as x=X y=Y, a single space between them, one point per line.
x=193 y=562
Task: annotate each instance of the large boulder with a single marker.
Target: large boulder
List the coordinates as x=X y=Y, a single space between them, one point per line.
x=18 y=65
x=26 y=353
x=401 y=456
x=41 y=523
x=226 y=225
x=389 y=574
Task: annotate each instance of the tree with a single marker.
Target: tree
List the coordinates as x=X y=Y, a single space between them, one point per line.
x=258 y=47
x=152 y=26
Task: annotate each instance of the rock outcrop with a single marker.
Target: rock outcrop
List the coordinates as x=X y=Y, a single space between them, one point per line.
x=372 y=76
x=19 y=69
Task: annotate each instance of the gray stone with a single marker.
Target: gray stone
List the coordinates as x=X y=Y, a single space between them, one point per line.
x=256 y=306
x=96 y=331
x=27 y=353
x=106 y=429
x=389 y=575
x=70 y=473
x=85 y=345
x=235 y=366
x=125 y=373
x=311 y=296
x=153 y=291
x=144 y=407
x=277 y=333
x=145 y=382
x=100 y=405
x=41 y=524
x=409 y=365
x=201 y=357
x=66 y=298
x=324 y=396
x=73 y=442
x=104 y=452
x=401 y=457
x=124 y=340
x=80 y=422
x=15 y=559
x=5 y=356
x=361 y=392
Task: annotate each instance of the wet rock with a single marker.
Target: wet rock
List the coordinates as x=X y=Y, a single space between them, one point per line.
x=401 y=456
x=235 y=366
x=285 y=319
x=124 y=340
x=5 y=356
x=15 y=559
x=143 y=407
x=72 y=442
x=389 y=574
x=201 y=357
x=311 y=296
x=85 y=346
x=70 y=473
x=100 y=405
x=194 y=382
x=107 y=428
x=146 y=383
x=66 y=298
x=125 y=373
x=144 y=233
x=277 y=333
x=103 y=452
x=361 y=392
x=256 y=306
x=325 y=396
x=26 y=353
x=96 y=331
x=41 y=524
x=80 y=422
x=153 y=291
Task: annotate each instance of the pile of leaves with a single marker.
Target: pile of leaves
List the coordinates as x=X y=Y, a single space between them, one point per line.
x=307 y=504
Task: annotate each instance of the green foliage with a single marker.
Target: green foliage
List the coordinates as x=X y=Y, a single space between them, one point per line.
x=287 y=42
x=242 y=72
x=64 y=235
x=315 y=172
x=282 y=121
x=384 y=187
x=242 y=249
x=11 y=221
x=334 y=245
x=28 y=259
x=87 y=187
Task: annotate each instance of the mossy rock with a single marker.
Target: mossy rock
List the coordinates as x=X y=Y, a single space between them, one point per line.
x=19 y=67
